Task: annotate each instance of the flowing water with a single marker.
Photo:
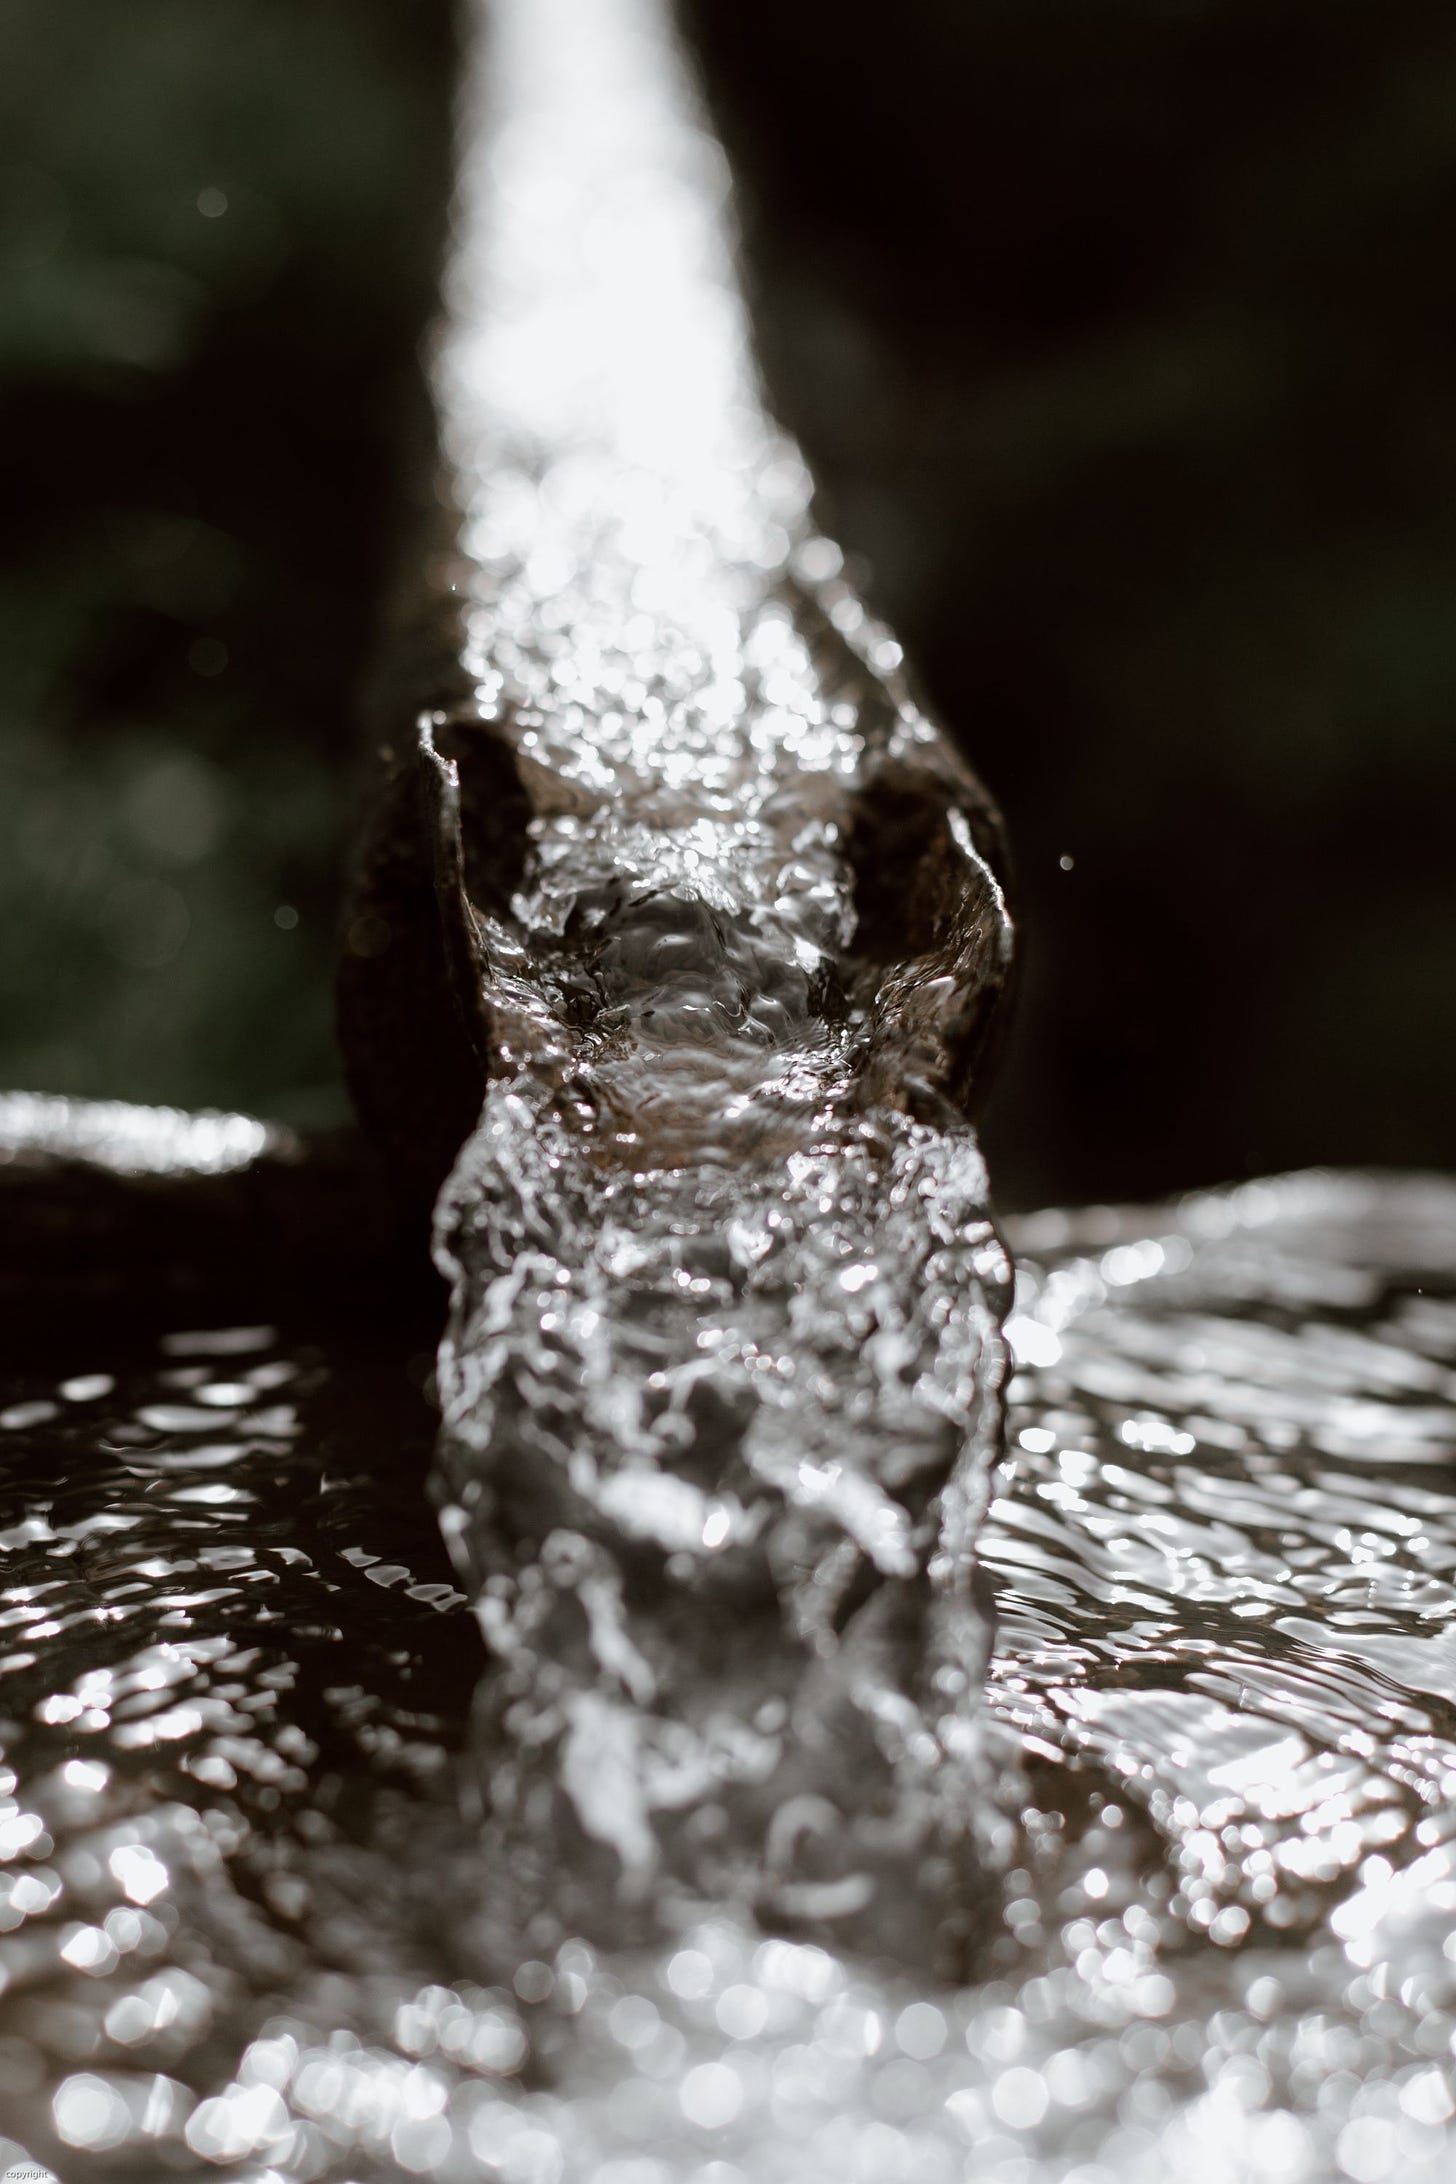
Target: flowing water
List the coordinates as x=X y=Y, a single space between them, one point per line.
x=734 y=1854
x=244 y=1922
x=721 y=1383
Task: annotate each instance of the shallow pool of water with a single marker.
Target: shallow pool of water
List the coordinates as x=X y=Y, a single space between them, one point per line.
x=245 y=1925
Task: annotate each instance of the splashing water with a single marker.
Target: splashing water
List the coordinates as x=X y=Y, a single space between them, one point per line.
x=721 y=1382
x=243 y=1924
x=721 y=1389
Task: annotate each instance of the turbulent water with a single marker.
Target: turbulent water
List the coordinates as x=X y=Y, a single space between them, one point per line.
x=243 y=1921
x=721 y=1384
x=691 y=1836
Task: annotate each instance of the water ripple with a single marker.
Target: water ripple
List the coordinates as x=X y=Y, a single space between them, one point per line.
x=244 y=1924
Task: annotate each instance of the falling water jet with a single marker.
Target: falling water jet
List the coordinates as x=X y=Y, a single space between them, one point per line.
x=673 y=875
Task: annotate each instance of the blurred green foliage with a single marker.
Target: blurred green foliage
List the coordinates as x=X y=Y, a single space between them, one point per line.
x=218 y=237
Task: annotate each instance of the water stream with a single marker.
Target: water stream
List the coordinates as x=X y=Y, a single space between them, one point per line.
x=754 y=1785
x=721 y=1382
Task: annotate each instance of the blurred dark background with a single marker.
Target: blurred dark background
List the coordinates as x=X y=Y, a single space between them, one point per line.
x=1121 y=336
x=218 y=225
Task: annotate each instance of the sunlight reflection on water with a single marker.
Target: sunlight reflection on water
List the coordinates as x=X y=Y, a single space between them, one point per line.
x=245 y=1919
x=240 y=1918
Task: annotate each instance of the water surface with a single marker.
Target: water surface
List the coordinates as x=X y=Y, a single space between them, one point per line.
x=246 y=1924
